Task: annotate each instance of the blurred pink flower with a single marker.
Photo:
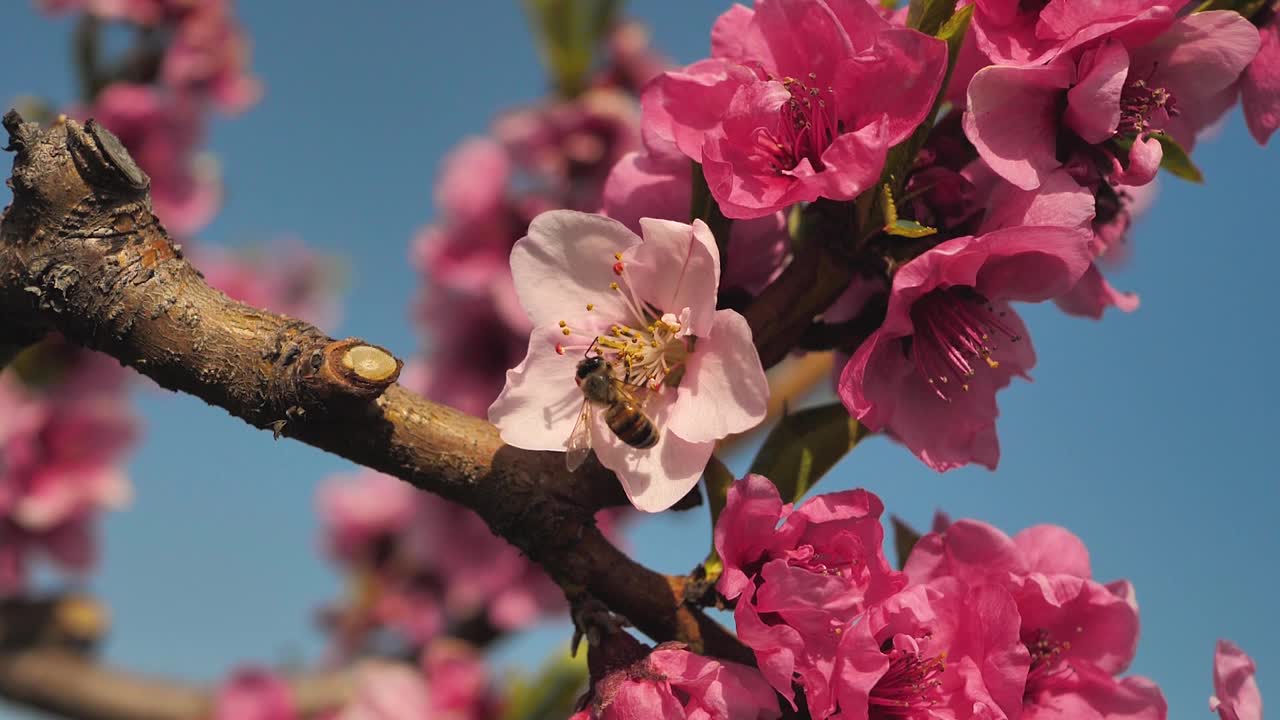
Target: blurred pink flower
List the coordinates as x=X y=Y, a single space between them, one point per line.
x=62 y=446
x=800 y=578
x=283 y=276
x=789 y=109
x=208 y=56
x=451 y=682
x=254 y=694
x=940 y=650
x=671 y=683
x=403 y=542
x=929 y=375
x=162 y=134
x=590 y=284
x=1235 y=687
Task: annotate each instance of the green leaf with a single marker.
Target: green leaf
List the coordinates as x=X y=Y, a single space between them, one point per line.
x=804 y=445
x=894 y=225
x=905 y=538
x=551 y=693
x=568 y=34
x=1176 y=161
x=927 y=16
x=718 y=478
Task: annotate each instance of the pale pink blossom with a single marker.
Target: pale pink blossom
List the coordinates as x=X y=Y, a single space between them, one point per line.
x=163 y=134
x=254 y=694
x=658 y=183
x=790 y=107
x=1091 y=100
x=671 y=683
x=799 y=578
x=949 y=341
x=1260 y=84
x=66 y=430
x=1079 y=633
x=284 y=276
x=939 y=650
x=1015 y=32
x=1235 y=685
x=590 y=285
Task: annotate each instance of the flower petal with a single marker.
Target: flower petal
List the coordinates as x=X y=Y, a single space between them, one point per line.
x=1093 y=104
x=540 y=403
x=676 y=267
x=565 y=262
x=654 y=478
x=724 y=390
x=1012 y=119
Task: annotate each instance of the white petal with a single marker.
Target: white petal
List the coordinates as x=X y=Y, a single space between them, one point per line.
x=724 y=389
x=541 y=401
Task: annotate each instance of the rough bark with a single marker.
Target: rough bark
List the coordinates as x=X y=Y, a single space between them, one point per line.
x=82 y=254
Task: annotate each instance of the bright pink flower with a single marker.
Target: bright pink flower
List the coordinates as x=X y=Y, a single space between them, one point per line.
x=452 y=682
x=672 y=683
x=800 y=577
x=62 y=446
x=473 y=180
x=1235 y=687
x=162 y=134
x=929 y=375
x=790 y=108
x=284 y=276
x=254 y=694
x=208 y=56
x=590 y=285
x=658 y=183
x=1260 y=84
x=941 y=650
x=1178 y=83
x=1016 y=32
x=1080 y=634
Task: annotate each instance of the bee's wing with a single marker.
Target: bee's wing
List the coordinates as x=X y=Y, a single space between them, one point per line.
x=578 y=446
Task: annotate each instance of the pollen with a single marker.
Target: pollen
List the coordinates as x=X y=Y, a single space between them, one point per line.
x=563 y=323
x=566 y=331
x=614 y=286
x=591 y=306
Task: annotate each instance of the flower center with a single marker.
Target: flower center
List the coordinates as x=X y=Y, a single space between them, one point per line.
x=953 y=329
x=1046 y=662
x=1144 y=108
x=807 y=126
x=912 y=682
x=648 y=346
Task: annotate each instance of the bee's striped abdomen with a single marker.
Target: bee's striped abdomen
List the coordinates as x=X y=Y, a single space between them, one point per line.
x=631 y=426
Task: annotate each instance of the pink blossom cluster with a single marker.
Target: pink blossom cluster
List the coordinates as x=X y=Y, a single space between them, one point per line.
x=66 y=427
x=557 y=154
x=978 y=624
x=1059 y=115
x=399 y=547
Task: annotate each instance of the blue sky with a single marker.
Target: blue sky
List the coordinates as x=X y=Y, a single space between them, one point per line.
x=1151 y=435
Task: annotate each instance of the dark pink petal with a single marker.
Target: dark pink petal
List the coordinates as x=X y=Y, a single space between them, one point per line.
x=1058 y=201
x=1235 y=685
x=1012 y=119
x=734 y=36
x=803 y=37
x=1144 y=162
x=970 y=550
x=1093 y=103
x=683 y=106
x=1092 y=295
x=1260 y=85
x=777 y=648
x=1053 y=549
x=911 y=62
x=1086 y=692
x=1100 y=626
x=744 y=532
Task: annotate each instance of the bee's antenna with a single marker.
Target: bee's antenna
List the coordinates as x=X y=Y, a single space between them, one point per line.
x=591 y=347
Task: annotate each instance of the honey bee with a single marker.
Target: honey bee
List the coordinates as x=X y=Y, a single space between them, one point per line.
x=623 y=411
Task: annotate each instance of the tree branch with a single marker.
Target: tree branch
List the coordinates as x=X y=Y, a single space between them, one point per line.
x=80 y=252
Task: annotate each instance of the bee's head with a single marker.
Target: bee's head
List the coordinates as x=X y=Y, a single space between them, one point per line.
x=588 y=366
